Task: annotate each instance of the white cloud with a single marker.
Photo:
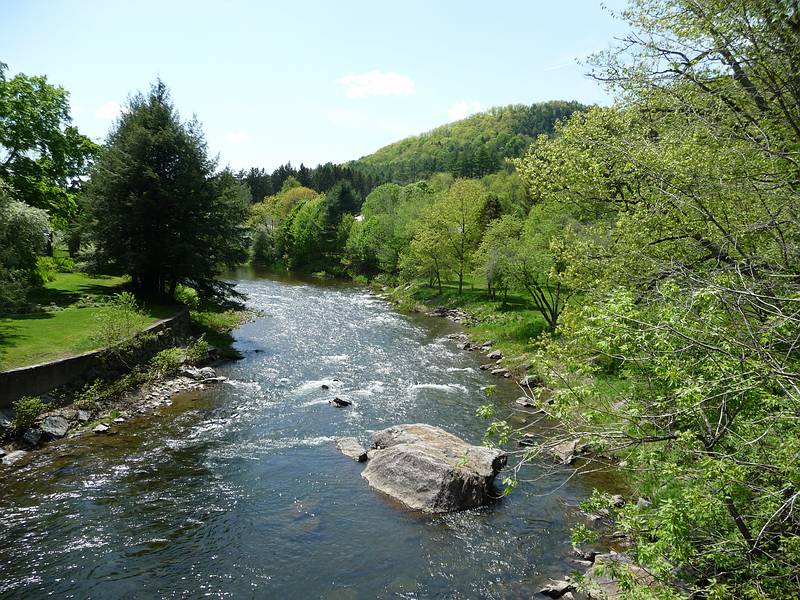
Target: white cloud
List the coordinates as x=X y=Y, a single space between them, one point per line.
x=109 y=110
x=462 y=109
x=237 y=137
x=376 y=83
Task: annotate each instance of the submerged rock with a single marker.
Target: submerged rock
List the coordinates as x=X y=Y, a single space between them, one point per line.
x=565 y=452
x=429 y=469
x=350 y=447
x=12 y=457
x=56 y=426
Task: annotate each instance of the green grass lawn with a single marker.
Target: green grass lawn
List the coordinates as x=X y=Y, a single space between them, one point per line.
x=513 y=324
x=69 y=325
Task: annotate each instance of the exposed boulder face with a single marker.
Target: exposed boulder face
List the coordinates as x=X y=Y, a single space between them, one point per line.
x=198 y=374
x=32 y=437
x=603 y=586
x=341 y=402
x=350 y=447
x=557 y=589
x=495 y=355
x=530 y=381
x=55 y=426
x=429 y=469
x=6 y=418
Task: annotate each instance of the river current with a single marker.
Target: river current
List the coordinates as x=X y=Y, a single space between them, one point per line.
x=239 y=492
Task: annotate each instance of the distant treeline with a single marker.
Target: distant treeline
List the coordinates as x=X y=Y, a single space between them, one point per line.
x=473 y=147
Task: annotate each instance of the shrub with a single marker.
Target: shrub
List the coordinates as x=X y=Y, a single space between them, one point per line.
x=120 y=320
x=197 y=350
x=166 y=363
x=45 y=269
x=89 y=397
x=188 y=296
x=26 y=410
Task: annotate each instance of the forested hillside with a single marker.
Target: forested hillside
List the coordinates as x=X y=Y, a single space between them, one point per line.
x=471 y=147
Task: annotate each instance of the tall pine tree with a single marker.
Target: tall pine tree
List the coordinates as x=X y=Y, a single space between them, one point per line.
x=156 y=209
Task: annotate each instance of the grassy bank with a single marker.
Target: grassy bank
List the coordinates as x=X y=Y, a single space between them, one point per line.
x=512 y=324
x=65 y=319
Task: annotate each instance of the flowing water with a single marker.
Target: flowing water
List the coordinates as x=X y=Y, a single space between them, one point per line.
x=238 y=491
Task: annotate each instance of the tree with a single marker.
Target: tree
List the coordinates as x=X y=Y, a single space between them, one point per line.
x=23 y=231
x=692 y=287
x=42 y=156
x=157 y=210
x=496 y=256
x=456 y=219
x=427 y=255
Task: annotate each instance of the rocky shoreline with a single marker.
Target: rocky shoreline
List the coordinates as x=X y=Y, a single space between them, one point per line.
x=72 y=420
x=599 y=581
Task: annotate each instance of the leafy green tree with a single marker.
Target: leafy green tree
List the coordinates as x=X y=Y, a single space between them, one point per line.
x=496 y=255
x=42 y=156
x=23 y=231
x=157 y=210
x=427 y=256
x=690 y=275
x=456 y=218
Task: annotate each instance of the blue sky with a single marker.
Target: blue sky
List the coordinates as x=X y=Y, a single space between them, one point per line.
x=307 y=81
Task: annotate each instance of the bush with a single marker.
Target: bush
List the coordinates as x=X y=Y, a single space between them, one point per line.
x=90 y=396
x=45 y=269
x=26 y=410
x=188 y=296
x=166 y=363
x=197 y=350
x=120 y=320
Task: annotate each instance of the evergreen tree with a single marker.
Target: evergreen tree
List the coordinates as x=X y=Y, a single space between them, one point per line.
x=155 y=208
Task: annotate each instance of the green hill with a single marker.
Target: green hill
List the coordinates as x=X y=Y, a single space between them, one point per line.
x=471 y=147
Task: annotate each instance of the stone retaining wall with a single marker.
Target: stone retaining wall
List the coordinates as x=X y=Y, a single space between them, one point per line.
x=39 y=379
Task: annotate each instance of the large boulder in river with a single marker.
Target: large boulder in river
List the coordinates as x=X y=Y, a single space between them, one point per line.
x=429 y=469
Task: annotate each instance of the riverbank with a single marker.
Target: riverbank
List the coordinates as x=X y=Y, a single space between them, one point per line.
x=499 y=332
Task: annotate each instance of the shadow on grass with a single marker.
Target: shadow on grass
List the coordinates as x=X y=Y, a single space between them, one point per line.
x=66 y=297
x=9 y=336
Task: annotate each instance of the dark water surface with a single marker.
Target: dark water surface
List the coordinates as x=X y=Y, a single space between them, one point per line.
x=239 y=492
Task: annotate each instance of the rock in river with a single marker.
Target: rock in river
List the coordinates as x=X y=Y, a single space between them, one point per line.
x=55 y=426
x=350 y=447
x=341 y=402
x=12 y=457
x=429 y=469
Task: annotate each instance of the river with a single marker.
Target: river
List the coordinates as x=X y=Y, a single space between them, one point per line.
x=238 y=491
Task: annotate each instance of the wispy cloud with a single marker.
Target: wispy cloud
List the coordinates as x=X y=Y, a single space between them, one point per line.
x=462 y=109
x=109 y=110
x=238 y=137
x=376 y=83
